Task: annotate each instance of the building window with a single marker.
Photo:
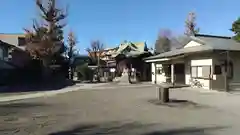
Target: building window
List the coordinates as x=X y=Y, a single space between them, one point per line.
x=217 y=70
x=194 y=71
x=159 y=70
x=206 y=71
x=201 y=72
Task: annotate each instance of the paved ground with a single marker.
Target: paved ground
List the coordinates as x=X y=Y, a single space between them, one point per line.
x=123 y=110
x=13 y=96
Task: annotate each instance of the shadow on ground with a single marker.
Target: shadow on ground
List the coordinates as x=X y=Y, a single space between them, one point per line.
x=187 y=131
x=40 y=86
x=13 y=108
x=134 y=128
x=177 y=103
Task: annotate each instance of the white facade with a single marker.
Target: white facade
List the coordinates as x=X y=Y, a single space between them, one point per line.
x=161 y=78
x=216 y=69
x=192 y=44
x=153 y=72
x=196 y=61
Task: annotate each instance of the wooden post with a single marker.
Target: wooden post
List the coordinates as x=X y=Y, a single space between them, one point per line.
x=158 y=89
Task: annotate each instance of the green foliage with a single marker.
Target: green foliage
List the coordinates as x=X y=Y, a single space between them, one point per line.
x=236 y=29
x=163 y=44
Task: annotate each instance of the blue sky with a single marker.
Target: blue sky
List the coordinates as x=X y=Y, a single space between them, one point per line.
x=112 y=21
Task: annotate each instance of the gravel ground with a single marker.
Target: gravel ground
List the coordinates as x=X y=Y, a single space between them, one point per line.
x=16 y=93
x=122 y=110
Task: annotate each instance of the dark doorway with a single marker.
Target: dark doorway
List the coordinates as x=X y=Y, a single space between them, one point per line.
x=179 y=72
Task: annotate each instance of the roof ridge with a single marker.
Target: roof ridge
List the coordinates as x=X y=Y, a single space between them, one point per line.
x=194 y=38
x=213 y=36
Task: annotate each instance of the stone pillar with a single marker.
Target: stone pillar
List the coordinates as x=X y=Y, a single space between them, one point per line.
x=172 y=74
x=163 y=94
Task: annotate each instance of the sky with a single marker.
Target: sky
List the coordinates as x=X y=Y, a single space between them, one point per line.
x=113 y=21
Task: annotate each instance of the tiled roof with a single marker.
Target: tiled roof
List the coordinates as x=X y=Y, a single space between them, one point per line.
x=140 y=46
x=136 y=48
x=12 y=35
x=12 y=39
x=209 y=42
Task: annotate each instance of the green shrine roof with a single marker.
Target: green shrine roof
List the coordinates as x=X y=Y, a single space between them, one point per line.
x=130 y=49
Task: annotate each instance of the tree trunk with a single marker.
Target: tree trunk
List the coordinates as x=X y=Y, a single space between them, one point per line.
x=46 y=71
x=70 y=70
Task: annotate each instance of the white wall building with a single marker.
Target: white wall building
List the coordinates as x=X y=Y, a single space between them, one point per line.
x=212 y=61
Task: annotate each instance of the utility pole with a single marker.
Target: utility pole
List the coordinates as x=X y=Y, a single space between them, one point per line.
x=226 y=69
x=98 y=64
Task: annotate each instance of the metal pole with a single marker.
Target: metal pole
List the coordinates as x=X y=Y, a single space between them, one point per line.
x=107 y=71
x=227 y=67
x=98 y=57
x=226 y=70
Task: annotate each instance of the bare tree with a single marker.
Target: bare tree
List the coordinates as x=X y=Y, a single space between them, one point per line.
x=190 y=24
x=95 y=50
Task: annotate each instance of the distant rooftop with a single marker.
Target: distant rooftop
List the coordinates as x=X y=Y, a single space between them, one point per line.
x=13 y=34
x=14 y=39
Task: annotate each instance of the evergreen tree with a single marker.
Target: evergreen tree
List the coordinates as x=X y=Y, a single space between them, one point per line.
x=190 y=25
x=236 y=29
x=163 y=43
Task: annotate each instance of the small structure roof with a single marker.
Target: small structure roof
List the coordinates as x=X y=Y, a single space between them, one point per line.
x=209 y=43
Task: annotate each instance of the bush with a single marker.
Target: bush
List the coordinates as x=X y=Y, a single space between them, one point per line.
x=84 y=72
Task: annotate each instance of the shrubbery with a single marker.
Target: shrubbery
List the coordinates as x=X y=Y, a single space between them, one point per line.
x=84 y=72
